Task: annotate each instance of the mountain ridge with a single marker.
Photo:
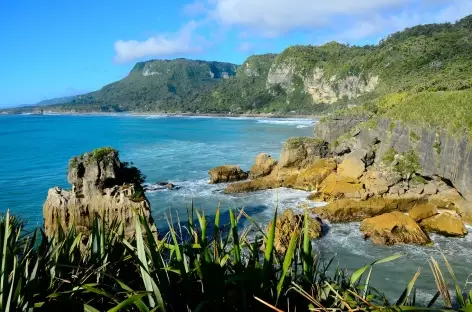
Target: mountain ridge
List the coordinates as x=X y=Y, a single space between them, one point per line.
x=303 y=79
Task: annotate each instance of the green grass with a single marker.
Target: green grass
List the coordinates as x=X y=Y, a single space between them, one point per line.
x=102 y=152
x=190 y=268
x=448 y=110
x=389 y=156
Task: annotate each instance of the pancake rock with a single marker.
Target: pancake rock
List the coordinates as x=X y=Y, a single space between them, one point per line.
x=289 y=222
x=263 y=166
x=445 y=223
x=227 y=173
x=101 y=185
x=394 y=228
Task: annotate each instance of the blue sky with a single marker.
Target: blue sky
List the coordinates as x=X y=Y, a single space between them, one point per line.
x=59 y=48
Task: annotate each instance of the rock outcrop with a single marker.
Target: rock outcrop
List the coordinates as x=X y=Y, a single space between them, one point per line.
x=445 y=223
x=227 y=173
x=350 y=210
x=302 y=151
x=101 y=185
x=421 y=212
x=393 y=228
x=288 y=223
x=263 y=166
x=331 y=129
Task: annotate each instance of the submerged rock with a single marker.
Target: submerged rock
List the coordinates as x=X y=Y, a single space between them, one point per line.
x=263 y=166
x=394 y=228
x=289 y=222
x=447 y=224
x=101 y=185
x=227 y=173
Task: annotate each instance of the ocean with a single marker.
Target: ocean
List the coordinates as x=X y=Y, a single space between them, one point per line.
x=35 y=150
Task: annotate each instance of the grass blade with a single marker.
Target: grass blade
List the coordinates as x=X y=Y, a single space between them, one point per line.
x=287 y=262
x=406 y=293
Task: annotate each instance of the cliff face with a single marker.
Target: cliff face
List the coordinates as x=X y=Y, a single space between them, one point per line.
x=321 y=88
x=102 y=185
x=437 y=153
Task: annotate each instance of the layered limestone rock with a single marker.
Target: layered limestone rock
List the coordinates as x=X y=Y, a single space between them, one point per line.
x=394 y=228
x=101 y=185
x=227 y=173
x=302 y=151
x=322 y=89
x=420 y=212
x=438 y=154
x=263 y=166
x=350 y=210
x=288 y=223
x=445 y=223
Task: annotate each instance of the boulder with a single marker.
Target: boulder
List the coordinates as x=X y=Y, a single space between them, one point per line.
x=310 y=178
x=422 y=211
x=253 y=185
x=227 y=173
x=375 y=183
x=302 y=151
x=101 y=186
x=448 y=198
x=263 y=166
x=336 y=187
x=447 y=224
x=350 y=210
x=393 y=228
x=289 y=222
x=352 y=166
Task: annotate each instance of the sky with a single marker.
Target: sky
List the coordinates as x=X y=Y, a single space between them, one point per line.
x=60 y=48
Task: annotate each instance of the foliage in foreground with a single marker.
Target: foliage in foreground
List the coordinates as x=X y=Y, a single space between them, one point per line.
x=200 y=267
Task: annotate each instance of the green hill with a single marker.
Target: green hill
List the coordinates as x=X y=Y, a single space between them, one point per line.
x=302 y=79
x=156 y=85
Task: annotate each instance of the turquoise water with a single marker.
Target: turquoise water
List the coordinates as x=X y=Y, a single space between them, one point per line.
x=34 y=152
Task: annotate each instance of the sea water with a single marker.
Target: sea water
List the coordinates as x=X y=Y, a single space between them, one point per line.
x=35 y=150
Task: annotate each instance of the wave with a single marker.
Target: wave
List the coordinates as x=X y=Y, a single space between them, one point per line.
x=288 y=121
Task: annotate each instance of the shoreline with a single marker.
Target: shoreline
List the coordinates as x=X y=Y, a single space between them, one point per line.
x=219 y=115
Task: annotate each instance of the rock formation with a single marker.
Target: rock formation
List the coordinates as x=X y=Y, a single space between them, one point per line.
x=263 y=166
x=227 y=173
x=101 y=185
x=445 y=223
x=394 y=228
x=289 y=222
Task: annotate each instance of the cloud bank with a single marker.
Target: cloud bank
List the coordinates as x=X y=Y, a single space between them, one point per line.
x=343 y=20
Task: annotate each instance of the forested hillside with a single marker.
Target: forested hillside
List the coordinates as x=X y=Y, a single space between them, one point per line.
x=302 y=79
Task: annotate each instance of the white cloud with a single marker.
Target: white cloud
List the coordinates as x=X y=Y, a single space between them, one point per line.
x=277 y=16
x=182 y=42
x=356 y=19
x=382 y=25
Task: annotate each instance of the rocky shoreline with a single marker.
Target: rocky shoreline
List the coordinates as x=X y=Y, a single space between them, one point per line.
x=362 y=177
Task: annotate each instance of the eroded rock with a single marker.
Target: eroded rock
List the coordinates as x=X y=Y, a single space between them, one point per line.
x=263 y=166
x=101 y=185
x=350 y=210
x=227 y=173
x=423 y=211
x=447 y=224
x=393 y=228
x=289 y=222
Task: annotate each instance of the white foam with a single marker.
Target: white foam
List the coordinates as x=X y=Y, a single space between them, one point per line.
x=288 y=121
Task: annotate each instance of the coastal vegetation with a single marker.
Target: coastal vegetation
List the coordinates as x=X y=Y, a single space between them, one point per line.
x=202 y=265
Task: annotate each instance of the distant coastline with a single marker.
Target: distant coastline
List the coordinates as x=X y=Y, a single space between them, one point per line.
x=220 y=115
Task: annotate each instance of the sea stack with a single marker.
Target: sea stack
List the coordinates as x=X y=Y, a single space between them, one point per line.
x=101 y=185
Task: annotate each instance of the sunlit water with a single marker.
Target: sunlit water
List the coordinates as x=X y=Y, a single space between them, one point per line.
x=34 y=152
